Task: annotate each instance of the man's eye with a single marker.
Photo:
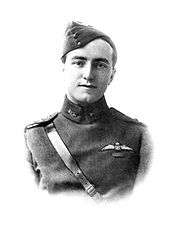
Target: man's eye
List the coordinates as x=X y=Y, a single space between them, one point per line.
x=78 y=63
x=100 y=65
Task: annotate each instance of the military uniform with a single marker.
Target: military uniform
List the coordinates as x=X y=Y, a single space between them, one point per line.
x=105 y=143
x=106 y=150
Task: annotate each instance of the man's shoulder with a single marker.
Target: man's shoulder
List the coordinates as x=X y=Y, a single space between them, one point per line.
x=117 y=115
x=43 y=122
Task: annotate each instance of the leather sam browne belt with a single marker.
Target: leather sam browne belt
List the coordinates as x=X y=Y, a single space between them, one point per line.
x=68 y=160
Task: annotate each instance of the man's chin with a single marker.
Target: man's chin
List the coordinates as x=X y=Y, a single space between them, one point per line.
x=84 y=99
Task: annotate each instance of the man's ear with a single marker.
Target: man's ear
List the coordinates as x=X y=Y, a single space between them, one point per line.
x=112 y=76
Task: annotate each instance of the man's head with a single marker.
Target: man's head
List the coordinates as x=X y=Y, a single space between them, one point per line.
x=89 y=57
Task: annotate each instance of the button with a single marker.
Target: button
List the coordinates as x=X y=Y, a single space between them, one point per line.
x=78 y=172
x=91 y=114
x=118 y=155
x=79 y=43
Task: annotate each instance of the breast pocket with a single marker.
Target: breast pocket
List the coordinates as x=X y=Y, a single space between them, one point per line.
x=122 y=153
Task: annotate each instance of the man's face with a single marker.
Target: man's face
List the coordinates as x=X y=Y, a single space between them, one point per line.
x=88 y=72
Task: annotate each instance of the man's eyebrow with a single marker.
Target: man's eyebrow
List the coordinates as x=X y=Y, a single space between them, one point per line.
x=101 y=60
x=95 y=60
x=79 y=57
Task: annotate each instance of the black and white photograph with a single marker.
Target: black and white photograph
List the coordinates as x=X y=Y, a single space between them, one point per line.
x=87 y=144
x=85 y=113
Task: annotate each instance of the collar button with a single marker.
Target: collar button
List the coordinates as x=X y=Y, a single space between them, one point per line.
x=91 y=114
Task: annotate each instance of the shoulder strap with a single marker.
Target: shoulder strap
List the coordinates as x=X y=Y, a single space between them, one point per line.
x=42 y=122
x=68 y=159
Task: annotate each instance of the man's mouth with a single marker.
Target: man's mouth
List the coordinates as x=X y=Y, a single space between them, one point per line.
x=88 y=86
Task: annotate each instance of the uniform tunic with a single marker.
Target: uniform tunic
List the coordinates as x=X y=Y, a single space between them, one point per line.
x=106 y=144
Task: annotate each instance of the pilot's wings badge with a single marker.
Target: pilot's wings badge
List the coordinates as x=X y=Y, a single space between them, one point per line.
x=116 y=146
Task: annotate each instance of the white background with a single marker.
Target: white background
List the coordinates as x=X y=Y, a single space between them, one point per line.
x=32 y=87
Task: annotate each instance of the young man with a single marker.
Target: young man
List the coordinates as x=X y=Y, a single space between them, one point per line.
x=88 y=145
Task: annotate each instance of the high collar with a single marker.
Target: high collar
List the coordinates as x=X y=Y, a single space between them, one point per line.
x=84 y=114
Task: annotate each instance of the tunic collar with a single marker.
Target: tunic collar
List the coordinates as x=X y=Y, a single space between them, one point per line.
x=84 y=114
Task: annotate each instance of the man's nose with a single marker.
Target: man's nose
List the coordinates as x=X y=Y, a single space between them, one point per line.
x=88 y=72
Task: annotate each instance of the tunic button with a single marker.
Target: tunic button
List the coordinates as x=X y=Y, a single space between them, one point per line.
x=79 y=43
x=91 y=114
x=78 y=173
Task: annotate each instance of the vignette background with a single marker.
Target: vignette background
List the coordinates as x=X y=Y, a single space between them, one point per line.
x=32 y=87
